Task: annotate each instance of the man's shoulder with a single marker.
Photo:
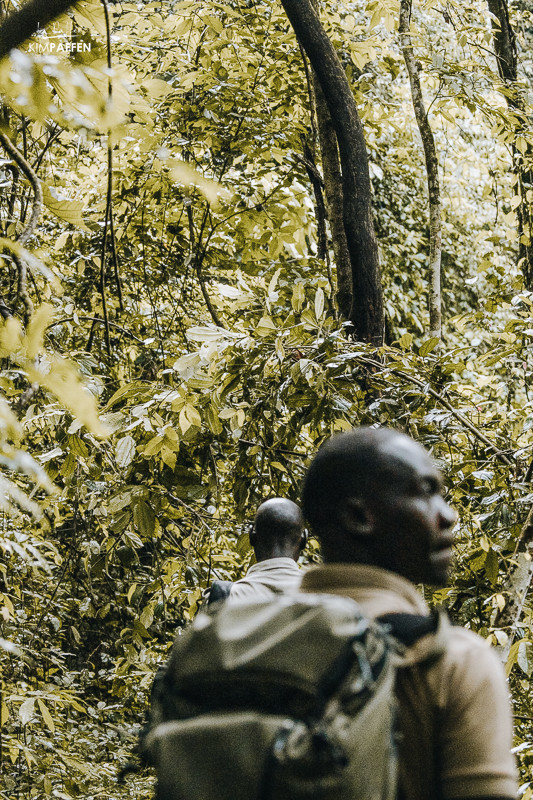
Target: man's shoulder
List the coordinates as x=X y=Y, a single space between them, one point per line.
x=469 y=662
x=462 y=641
x=273 y=565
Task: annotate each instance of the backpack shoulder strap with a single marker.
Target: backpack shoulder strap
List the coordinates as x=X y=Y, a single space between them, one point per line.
x=220 y=590
x=409 y=628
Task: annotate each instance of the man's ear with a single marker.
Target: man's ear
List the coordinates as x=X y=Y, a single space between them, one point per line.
x=356 y=518
x=252 y=537
x=304 y=538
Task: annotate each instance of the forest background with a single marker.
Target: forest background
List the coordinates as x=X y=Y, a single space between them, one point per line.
x=181 y=331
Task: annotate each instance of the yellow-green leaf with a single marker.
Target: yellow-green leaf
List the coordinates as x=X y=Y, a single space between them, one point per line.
x=427 y=346
x=144 y=518
x=124 y=451
x=406 y=341
x=265 y=327
x=157 y=88
x=62 y=207
x=154 y=446
x=33 y=340
x=192 y=415
x=168 y=457
x=26 y=710
x=319 y=303
x=46 y=715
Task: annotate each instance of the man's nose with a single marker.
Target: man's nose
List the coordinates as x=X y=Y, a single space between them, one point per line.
x=448 y=515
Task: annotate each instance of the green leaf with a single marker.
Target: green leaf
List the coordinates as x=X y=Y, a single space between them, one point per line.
x=169 y=457
x=91 y=11
x=157 y=88
x=154 y=446
x=511 y=659
x=298 y=297
x=428 y=346
x=492 y=565
x=144 y=519
x=125 y=451
x=524 y=657
x=26 y=710
x=46 y=715
x=77 y=446
x=192 y=415
x=67 y=210
x=319 y=303
x=129 y=390
x=265 y=327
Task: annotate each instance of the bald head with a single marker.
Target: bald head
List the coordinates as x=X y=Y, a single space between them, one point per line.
x=278 y=530
x=349 y=465
x=373 y=496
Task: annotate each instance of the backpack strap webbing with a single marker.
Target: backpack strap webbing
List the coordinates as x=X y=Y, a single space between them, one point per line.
x=409 y=628
x=220 y=590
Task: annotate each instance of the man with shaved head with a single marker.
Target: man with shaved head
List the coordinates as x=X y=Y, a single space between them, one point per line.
x=373 y=497
x=278 y=537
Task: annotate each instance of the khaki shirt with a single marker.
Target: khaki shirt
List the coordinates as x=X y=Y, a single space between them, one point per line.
x=454 y=715
x=272 y=576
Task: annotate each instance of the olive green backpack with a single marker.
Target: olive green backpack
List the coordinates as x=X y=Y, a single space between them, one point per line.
x=291 y=699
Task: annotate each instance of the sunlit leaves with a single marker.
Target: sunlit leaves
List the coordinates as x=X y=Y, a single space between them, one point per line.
x=68 y=210
x=125 y=451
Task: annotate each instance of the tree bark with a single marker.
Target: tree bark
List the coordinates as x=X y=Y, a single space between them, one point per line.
x=331 y=169
x=504 y=40
x=366 y=313
x=35 y=14
x=432 y=169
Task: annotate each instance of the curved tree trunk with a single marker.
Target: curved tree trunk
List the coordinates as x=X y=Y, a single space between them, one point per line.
x=432 y=169
x=366 y=313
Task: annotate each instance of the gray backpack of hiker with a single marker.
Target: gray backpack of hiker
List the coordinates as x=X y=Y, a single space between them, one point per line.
x=291 y=699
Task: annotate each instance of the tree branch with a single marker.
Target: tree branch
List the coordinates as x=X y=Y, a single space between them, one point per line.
x=198 y=260
x=95 y=321
x=25 y=167
x=442 y=400
x=28 y=171
x=109 y=205
x=432 y=169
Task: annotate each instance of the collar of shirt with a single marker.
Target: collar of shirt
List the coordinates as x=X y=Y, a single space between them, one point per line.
x=377 y=590
x=273 y=564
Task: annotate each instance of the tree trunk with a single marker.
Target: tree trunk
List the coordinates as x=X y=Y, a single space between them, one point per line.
x=20 y=25
x=331 y=169
x=504 y=40
x=432 y=169
x=366 y=313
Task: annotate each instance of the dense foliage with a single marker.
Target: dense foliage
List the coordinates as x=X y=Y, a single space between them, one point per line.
x=194 y=312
